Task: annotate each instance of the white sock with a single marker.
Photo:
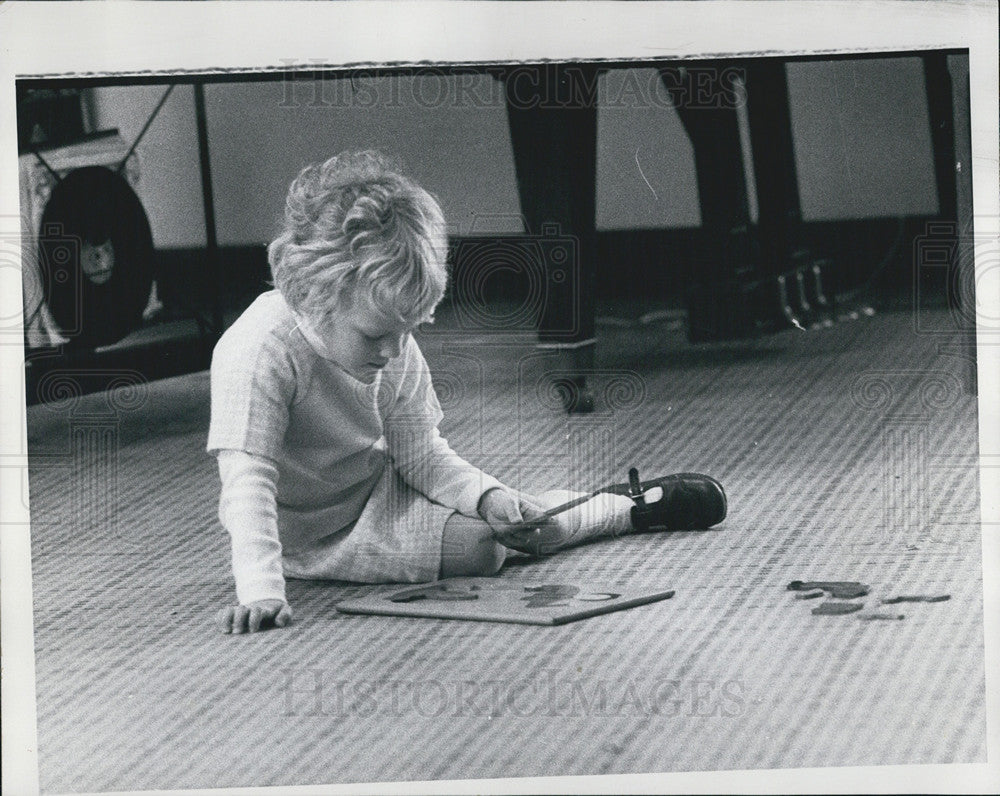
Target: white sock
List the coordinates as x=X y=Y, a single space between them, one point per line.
x=602 y=515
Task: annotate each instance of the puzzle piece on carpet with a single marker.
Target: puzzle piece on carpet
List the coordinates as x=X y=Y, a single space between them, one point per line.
x=496 y=600
x=840 y=589
x=916 y=598
x=833 y=609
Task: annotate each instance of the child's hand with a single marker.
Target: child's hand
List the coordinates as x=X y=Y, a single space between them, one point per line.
x=502 y=508
x=255 y=616
x=510 y=514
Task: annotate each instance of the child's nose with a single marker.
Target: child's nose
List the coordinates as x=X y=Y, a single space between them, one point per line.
x=391 y=346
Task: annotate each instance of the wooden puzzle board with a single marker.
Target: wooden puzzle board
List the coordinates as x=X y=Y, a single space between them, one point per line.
x=496 y=600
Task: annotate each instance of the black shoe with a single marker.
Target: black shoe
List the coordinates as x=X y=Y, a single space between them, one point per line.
x=690 y=501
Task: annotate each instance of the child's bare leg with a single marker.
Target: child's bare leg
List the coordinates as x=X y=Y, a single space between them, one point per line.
x=468 y=548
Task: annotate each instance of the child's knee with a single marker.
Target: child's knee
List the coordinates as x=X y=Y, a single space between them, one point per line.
x=488 y=558
x=469 y=549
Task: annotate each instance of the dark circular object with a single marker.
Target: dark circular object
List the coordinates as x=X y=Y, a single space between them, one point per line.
x=96 y=256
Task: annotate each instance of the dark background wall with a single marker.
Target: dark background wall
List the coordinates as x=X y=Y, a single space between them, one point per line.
x=863 y=155
x=863 y=146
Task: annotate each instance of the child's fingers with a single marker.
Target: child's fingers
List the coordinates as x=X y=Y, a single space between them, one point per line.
x=284 y=616
x=243 y=618
x=528 y=525
x=510 y=511
x=524 y=540
x=240 y=615
x=530 y=509
x=535 y=516
x=224 y=618
x=502 y=510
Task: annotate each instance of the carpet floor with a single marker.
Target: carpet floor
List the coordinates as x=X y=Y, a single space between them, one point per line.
x=847 y=453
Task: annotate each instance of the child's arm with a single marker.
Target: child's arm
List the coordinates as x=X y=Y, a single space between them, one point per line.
x=420 y=454
x=247 y=509
x=253 y=385
x=427 y=463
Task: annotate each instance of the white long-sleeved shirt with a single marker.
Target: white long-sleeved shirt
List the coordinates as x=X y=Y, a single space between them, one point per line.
x=311 y=443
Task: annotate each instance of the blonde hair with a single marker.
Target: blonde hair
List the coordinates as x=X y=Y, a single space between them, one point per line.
x=354 y=223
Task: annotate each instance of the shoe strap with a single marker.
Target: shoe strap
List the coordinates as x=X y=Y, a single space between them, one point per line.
x=635 y=490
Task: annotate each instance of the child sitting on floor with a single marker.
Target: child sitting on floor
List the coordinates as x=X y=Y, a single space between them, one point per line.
x=325 y=422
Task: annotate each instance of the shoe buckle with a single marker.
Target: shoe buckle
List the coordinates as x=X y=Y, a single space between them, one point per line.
x=640 y=511
x=634 y=487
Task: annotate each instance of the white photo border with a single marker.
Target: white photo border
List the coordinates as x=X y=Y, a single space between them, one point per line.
x=147 y=39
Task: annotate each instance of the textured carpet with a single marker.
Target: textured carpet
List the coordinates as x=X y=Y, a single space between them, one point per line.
x=848 y=454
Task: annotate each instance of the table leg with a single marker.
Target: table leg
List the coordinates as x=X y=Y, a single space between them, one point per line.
x=552 y=113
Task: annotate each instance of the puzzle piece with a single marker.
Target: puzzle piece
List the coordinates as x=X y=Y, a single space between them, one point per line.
x=832 y=609
x=916 y=598
x=438 y=591
x=840 y=589
x=548 y=596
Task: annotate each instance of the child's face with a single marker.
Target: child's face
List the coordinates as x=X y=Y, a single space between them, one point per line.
x=363 y=340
